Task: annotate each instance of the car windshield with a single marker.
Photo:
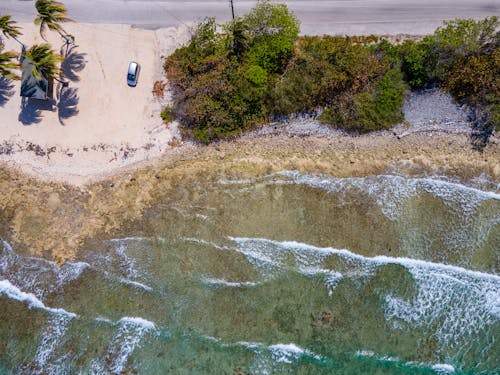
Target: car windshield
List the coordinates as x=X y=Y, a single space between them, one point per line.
x=130 y=76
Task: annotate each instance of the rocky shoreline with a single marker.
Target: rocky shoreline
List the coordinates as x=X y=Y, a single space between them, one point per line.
x=54 y=219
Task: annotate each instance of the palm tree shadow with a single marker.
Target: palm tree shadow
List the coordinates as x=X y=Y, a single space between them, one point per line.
x=68 y=104
x=74 y=62
x=6 y=90
x=31 y=110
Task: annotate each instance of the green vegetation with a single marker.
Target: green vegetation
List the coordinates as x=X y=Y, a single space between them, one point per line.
x=9 y=28
x=222 y=82
x=50 y=15
x=258 y=69
x=45 y=61
x=356 y=83
x=166 y=115
x=7 y=64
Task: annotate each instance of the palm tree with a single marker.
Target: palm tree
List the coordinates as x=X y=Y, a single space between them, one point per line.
x=45 y=61
x=6 y=64
x=9 y=28
x=50 y=15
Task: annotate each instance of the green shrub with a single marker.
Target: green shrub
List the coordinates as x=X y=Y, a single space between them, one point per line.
x=224 y=84
x=221 y=82
x=418 y=62
x=322 y=69
x=167 y=115
x=368 y=111
x=274 y=30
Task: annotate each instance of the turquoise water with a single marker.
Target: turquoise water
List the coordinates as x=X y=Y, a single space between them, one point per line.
x=286 y=274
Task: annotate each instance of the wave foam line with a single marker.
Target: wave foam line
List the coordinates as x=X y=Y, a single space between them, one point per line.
x=391 y=191
x=432 y=185
x=284 y=353
x=231 y=284
x=132 y=239
x=38 y=275
x=135 y=284
x=299 y=247
x=440 y=368
x=459 y=303
x=15 y=293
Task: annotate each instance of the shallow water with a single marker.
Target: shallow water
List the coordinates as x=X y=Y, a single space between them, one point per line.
x=289 y=273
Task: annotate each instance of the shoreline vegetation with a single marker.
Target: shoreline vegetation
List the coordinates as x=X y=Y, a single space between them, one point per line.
x=230 y=78
x=226 y=84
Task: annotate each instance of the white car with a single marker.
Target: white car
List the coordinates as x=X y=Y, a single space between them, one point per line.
x=133 y=73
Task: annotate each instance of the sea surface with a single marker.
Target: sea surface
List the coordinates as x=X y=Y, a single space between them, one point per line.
x=289 y=273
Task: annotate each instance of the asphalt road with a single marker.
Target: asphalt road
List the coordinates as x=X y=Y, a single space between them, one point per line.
x=317 y=16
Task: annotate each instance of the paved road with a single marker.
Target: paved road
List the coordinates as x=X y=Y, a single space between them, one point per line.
x=317 y=16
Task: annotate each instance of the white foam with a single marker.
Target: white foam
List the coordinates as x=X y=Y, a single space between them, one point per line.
x=127 y=264
x=286 y=353
x=138 y=321
x=205 y=242
x=135 y=284
x=443 y=368
x=7 y=247
x=103 y=320
x=440 y=368
x=231 y=284
x=454 y=303
x=45 y=360
x=390 y=192
x=131 y=239
x=365 y=353
x=14 y=292
x=95 y=368
x=71 y=271
x=308 y=254
x=128 y=337
x=37 y=275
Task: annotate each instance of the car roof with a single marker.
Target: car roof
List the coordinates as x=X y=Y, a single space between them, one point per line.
x=132 y=67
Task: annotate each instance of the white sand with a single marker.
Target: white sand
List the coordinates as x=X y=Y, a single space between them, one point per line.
x=111 y=125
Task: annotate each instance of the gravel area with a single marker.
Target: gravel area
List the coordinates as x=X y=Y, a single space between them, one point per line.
x=433 y=110
x=425 y=111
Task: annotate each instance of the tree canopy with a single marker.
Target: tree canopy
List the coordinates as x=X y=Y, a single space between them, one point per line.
x=258 y=70
x=9 y=28
x=50 y=15
x=8 y=64
x=45 y=61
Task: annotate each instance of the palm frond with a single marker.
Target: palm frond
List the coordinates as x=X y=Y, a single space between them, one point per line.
x=45 y=61
x=7 y=64
x=8 y=27
x=50 y=15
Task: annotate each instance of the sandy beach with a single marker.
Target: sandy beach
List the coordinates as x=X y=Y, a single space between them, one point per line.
x=98 y=124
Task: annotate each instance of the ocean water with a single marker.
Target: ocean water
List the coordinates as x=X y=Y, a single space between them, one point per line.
x=288 y=273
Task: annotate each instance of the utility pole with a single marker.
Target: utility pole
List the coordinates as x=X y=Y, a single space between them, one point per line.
x=232 y=9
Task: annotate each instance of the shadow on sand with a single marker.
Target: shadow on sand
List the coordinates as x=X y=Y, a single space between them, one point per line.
x=6 y=90
x=74 y=62
x=31 y=110
x=68 y=104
